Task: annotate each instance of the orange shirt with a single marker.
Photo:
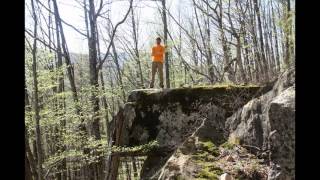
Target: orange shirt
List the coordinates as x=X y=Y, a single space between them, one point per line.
x=157 y=53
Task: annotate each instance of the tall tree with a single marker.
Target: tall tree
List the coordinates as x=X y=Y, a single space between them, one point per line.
x=262 y=49
x=275 y=32
x=238 y=35
x=30 y=162
x=205 y=39
x=36 y=94
x=92 y=43
x=208 y=47
x=60 y=89
x=288 y=34
x=136 y=47
x=165 y=39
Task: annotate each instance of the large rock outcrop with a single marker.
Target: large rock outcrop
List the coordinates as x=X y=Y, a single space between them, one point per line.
x=267 y=124
x=206 y=131
x=171 y=116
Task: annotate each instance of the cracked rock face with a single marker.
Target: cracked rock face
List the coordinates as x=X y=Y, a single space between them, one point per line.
x=175 y=126
x=179 y=118
x=282 y=124
x=171 y=116
x=268 y=123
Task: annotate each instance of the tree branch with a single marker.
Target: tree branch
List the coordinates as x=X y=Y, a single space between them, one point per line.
x=184 y=62
x=42 y=41
x=187 y=33
x=113 y=34
x=74 y=28
x=83 y=34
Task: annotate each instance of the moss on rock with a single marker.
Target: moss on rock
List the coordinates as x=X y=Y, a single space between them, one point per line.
x=210 y=147
x=228 y=145
x=221 y=95
x=210 y=171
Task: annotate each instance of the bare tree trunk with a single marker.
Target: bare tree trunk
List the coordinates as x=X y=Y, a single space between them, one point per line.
x=69 y=177
x=267 y=38
x=273 y=68
x=206 y=45
x=88 y=170
x=34 y=148
x=30 y=163
x=92 y=43
x=30 y=159
x=263 y=56
x=259 y=72
x=259 y=67
x=268 y=53
x=134 y=166
x=246 y=57
x=116 y=61
x=165 y=38
x=239 y=61
x=27 y=169
x=180 y=49
x=70 y=74
x=193 y=46
x=116 y=139
x=136 y=47
x=209 y=51
x=60 y=102
x=127 y=169
x=172 y=73
x=113 y=108
x=36 y=93
x=105 y=105
x=288 y=35
x=100 y=172
x=276 y=39
x=225 y=47
x=70 y=71
x=94 y=168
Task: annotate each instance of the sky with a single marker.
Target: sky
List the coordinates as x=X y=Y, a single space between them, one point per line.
x=72 y=13
x=150 y=20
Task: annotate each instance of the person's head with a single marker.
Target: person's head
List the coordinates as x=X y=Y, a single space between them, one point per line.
x=158 y=40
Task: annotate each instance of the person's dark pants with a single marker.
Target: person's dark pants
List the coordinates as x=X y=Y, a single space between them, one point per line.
x=157 y=66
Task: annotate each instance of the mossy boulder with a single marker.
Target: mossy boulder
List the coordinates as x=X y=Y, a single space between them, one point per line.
x=170 y=116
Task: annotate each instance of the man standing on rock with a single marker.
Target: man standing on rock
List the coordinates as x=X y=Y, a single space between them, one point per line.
x=157 y=54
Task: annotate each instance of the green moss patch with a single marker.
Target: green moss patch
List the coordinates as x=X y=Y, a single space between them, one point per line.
x=210 y=171
x=228 y=145
x=209 y=147
x=201 y=157
x=203 y=94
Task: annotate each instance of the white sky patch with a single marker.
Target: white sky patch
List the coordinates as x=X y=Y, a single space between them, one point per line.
x=150 y=21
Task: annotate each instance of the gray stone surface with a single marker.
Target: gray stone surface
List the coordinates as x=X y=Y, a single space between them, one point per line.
x=265 y=122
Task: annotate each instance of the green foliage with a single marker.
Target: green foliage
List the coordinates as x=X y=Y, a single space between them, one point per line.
x=210 y=171
x=201 y=157
x=228 y=145
x=209 y=147
x=97 y=149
